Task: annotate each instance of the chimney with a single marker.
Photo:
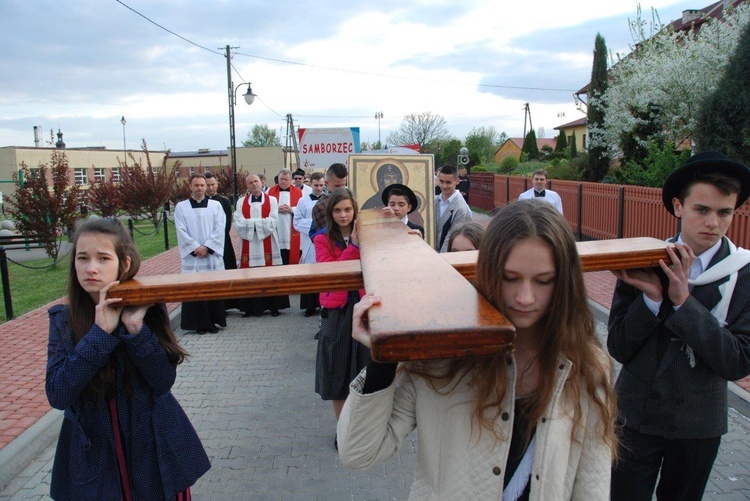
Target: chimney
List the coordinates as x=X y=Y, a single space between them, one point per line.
x=690 y=15
x=37 y=136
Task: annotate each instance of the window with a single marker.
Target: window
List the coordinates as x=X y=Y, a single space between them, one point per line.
x=35 y=172
x=116 y=174
x=99 y=175
x=80 y=176
x=584 y=141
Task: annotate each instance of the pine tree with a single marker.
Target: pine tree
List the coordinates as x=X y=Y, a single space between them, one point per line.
x=562 y=142
x=530 y=147
x=598 y=164
x=724 y=116
x=573 y=146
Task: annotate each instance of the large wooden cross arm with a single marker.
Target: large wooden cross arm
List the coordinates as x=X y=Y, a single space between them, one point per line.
x=429 y=310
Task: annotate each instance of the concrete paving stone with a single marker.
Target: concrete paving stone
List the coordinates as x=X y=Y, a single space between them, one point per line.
x=27 y=496
x=293 y=465
x=269 y=473
x=730 y=484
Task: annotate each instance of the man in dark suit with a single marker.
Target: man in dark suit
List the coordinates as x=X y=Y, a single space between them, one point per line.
x=212 y=192
x=681 y=330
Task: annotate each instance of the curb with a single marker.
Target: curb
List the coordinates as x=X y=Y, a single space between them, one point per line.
x=19 y=454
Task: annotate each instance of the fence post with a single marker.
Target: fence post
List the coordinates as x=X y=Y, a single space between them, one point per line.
x=620 y=211
x=580 y=212
x=507 y=190
x=166 y=229
x=6 y=284
x=130 y=228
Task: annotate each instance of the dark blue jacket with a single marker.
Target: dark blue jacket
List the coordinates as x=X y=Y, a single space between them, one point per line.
x=163 y=452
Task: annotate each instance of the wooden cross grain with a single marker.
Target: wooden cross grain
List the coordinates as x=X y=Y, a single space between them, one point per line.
x=429 y=311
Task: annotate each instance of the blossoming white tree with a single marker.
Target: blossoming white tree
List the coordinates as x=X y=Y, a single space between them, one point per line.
x=669 y=72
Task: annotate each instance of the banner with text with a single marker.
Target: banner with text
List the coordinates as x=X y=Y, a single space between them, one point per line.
x=319 y=148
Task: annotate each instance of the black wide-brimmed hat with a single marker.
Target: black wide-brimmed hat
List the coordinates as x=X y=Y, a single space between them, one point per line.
x=413 y=201
x=705 y=163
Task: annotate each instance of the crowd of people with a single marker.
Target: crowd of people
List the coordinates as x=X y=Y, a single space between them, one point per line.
x=543 y=421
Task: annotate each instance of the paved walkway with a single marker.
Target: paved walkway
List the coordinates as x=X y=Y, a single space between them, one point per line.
x=249 y=392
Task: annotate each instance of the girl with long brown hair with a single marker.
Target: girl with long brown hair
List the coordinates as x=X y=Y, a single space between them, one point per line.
x=111 y=368
x=537 y=423
x=339 y=357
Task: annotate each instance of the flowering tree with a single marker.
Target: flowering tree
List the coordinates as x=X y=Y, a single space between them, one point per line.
x=41 y=210
x=145 y=189
x=670 y=72
x=105 y=197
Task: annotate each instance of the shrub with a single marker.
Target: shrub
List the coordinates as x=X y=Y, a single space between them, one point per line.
x=508 y=164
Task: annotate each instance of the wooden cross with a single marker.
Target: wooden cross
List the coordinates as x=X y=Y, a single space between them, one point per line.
x=429 y=310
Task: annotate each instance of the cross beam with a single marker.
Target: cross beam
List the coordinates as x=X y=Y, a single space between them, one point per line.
x=429 y=308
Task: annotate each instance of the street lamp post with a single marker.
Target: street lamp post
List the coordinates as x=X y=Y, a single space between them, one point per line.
x=124 y=146
x=378 y=117
x=249 y=98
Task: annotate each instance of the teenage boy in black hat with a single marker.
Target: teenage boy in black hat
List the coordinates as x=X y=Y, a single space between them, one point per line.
x=681 y=331
x=400 y=201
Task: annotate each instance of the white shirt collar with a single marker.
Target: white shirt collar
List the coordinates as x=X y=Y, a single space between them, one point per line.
x=707 y=255
x=450 y=198
x=405 y=219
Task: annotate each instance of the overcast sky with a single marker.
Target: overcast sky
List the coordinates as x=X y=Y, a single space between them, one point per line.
x=82 y=64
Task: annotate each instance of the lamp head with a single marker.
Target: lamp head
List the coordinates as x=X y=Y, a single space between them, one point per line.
x=249 y=96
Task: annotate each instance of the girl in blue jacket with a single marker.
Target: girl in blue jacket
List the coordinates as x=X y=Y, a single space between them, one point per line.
x=110 y=368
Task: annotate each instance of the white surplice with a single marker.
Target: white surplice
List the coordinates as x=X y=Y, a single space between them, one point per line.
x=197 y=227
x=257 y=228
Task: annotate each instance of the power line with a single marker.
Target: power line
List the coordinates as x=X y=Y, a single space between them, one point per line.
x=385 y=75
x=166 y=29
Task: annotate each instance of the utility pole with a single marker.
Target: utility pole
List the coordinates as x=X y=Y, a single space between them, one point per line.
x=527 y=113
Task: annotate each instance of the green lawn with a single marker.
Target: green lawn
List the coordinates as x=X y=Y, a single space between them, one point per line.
x=32 y=288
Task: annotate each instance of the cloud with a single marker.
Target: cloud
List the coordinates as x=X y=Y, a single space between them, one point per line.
x=80 y=66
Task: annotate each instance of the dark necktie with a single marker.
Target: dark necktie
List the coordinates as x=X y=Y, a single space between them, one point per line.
x=538 y=193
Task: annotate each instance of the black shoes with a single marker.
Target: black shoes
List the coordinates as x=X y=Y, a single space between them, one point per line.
x=275 y=313
x=309 y=312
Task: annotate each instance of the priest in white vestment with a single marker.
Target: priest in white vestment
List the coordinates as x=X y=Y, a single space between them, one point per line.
x=199 y=222
x=303 y=223
x=255 y=220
